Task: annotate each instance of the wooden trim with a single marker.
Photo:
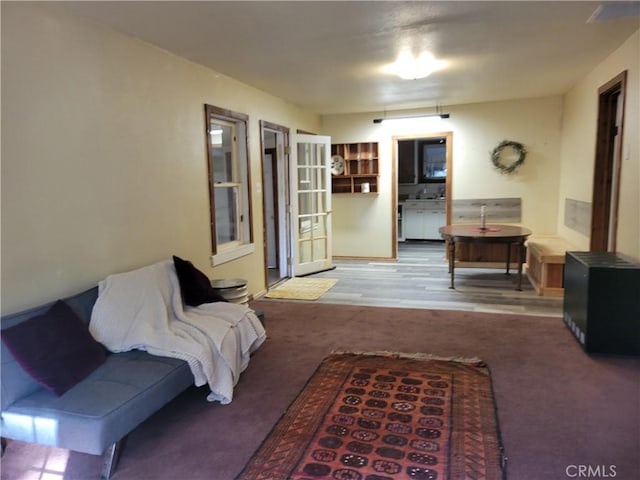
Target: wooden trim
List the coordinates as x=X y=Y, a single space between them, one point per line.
x=224 y=113
x=212 y=210
x=605 y=198
x=273 y=126
x=249 y=176
x=449 y=179
x=265 y=125
x=229 y=116
x=394 y=198
x=448 y=136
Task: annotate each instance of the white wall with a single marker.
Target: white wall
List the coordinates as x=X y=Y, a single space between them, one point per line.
x=579 y=144
x=362 y=224
x=103 y=156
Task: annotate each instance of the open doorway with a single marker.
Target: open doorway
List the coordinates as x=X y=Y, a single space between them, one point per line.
x=422 y=171
x=275 y=194
x=606 y=179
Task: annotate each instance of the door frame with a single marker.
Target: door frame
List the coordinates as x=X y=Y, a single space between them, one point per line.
x=448 y=136
x=606 y=171
x=280 y=197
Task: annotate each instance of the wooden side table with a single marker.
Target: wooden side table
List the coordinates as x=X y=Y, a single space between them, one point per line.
x=506 y=234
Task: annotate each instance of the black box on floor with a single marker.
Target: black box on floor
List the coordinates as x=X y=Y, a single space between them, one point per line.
x=602 y=301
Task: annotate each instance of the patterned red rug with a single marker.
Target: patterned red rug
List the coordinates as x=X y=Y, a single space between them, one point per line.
x=386 y=417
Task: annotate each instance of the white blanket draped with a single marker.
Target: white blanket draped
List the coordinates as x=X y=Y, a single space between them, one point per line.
x=143 y=310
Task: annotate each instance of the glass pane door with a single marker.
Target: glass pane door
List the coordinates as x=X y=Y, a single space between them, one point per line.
x=312 y=209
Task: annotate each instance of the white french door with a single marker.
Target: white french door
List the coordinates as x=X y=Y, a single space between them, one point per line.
x=311 y=204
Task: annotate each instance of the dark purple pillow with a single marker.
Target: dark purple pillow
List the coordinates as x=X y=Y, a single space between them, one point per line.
x=55 y=348
x=195 y=286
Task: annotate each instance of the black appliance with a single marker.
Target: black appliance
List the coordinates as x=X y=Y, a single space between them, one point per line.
x=602 y=301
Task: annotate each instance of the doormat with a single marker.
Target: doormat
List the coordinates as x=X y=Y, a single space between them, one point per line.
x=298 y=288
x=386 y=416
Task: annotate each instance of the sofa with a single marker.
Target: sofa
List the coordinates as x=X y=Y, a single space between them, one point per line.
x=93 y=412
x=96 y=414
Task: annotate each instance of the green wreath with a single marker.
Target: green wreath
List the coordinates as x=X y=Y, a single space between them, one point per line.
x=512 y=166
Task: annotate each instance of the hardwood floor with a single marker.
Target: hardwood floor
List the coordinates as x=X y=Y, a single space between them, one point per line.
x=420 y=279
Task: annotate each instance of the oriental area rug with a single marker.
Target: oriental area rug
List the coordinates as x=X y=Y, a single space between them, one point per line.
x=302 y=288
x=386 y=416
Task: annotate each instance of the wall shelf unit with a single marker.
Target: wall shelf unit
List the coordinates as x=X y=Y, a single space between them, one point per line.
x=358 y=169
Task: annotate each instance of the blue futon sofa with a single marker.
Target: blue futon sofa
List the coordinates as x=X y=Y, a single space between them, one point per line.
x=96 y=414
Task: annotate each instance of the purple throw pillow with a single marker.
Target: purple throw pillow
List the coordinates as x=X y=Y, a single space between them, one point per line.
x=55 y=348
x=195 y=286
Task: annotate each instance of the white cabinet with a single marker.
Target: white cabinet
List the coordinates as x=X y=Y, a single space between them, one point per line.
x=401 y=222
x=413 y=223
x=423 y=218
x=434 y=219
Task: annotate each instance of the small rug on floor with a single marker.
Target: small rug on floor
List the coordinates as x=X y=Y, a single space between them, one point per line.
x=302 y=288
x=386 y=416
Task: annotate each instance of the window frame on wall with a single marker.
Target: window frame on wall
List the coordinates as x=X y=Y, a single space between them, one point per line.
x=228 y=176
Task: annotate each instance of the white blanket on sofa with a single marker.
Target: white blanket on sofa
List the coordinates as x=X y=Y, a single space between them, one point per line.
x=143 y=310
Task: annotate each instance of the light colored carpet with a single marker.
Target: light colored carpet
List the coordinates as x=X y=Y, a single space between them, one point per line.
x=298 y=288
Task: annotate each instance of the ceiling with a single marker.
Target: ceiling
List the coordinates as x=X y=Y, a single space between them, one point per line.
x=327 y=56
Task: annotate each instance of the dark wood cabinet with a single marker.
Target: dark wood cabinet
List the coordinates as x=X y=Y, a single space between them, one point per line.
x=407 y=166
x=359 y=172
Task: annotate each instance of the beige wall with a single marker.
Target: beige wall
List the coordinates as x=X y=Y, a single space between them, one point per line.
x=104 y=163
x=362 y=224
x=103 y=156
x=579 y=140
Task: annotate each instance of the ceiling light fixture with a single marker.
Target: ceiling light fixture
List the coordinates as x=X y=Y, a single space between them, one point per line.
x=409 y=67
x=412 y=117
